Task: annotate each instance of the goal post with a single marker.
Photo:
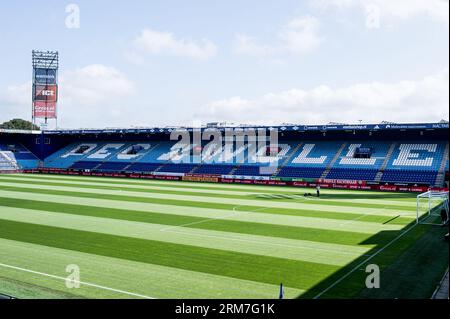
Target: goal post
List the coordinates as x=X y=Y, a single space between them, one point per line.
x=429 y=207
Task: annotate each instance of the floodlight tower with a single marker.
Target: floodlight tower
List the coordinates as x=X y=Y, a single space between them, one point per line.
x=45 y=86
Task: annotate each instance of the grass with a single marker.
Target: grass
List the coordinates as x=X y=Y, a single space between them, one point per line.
x=190 y=240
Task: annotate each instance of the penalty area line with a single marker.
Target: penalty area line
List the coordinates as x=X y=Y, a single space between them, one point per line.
x=75 y=281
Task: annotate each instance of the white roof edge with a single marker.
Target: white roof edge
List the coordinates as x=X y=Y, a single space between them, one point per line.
x=19 y=131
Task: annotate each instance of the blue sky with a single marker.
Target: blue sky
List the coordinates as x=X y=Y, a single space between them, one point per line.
x=145 y=63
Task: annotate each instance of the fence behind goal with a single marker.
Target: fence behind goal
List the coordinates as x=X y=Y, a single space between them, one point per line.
x=430 y=206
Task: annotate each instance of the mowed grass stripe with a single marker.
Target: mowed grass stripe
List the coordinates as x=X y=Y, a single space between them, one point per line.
x=282 y=197
x=339 y=194
x=129 y=202
x=378 y=218
x=176 y=184
x=396 y=220
x=206 y=201
x=302 y=210
x=330 y=199
x=297 y=274
x=180 y=196
x=141 y=278
x=333 y=254
x=130 y=186
x=223 y=225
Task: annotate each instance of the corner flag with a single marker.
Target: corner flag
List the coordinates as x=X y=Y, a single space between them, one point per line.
x=281 y=291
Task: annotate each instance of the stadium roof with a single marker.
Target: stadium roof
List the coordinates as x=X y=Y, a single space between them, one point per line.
x=299 y=128
x=283 y=128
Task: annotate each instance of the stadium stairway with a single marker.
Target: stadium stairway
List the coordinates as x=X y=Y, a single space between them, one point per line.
x=238 y=167
x=90 y=165
x=333 y=161
x=380 y=173
x=19 y=155
x=288 y=159
x=7 y=162
x=234 y=169
x=441 y=174
x=100 y=164
x=160 y=167
x=195 y=169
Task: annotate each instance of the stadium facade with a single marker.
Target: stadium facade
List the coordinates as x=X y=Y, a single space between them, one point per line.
x=391 y=157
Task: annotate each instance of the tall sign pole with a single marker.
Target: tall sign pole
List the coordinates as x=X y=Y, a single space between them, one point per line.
x=45 y=86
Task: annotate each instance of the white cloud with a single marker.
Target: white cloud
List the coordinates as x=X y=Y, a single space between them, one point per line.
x=247 y=45
x=94 y=84
x=86 y=95
x=16 y=95
x=299 y=36
x=395 y=9
x=152 y=42
x=404 y=101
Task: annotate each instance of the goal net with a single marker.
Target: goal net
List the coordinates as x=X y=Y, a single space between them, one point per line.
x=430 y=206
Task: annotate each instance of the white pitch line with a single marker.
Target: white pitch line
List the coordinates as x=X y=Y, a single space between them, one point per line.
x=209 y=219
x=354 y=219
x=78 y=282
x=365 y=261
x=301 y=198
x=362 y=216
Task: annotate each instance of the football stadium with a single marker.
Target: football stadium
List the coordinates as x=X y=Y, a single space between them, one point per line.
x=270 y=210
x=141 y=219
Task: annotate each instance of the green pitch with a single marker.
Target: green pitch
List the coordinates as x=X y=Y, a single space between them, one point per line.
x=157 y=239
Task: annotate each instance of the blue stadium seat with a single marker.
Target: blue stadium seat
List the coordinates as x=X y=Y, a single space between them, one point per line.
x=423 y=156
x=407 y=176
x=211 y=169
x=84 y=165
x=246 y=170
x=301 y=172
x=378 y=152
x=113 y=166
x=177 y=168
x=362 y=174
x=315 y=154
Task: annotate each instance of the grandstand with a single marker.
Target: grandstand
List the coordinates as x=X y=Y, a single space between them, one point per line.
x=163 y=234
x=418 y=155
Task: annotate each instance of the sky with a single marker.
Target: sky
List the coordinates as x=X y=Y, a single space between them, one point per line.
x=141 y=63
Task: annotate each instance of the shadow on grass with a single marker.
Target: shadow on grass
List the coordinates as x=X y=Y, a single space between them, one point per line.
x=412 y=262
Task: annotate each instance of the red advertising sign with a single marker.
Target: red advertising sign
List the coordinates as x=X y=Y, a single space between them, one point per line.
x=341 y=181
x=48 y=93
x=388 y=188
x=44 y=109
x=44 y=101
